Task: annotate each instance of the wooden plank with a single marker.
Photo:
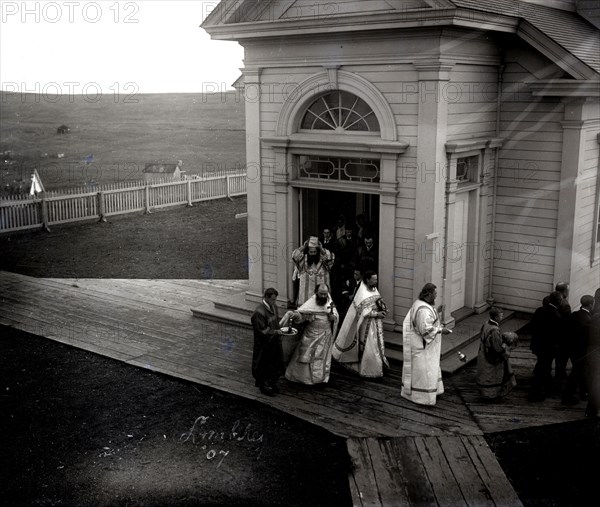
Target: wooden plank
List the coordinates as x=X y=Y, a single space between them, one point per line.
x=107 y=341
x=447 y=492
x=77 y=293
x=150 y=288
x=354 y=493
x=413 y=475
x=45 y=291
x=363 y=475
x=50 y=322
x=120 y=316
x=473 y=490
x=388 y=475
x=408 y=415
x=491 y=472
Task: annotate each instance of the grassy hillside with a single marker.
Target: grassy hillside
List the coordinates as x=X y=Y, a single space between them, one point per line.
x=122 y=135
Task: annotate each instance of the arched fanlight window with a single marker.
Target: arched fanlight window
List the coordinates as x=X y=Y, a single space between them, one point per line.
x=340 y=111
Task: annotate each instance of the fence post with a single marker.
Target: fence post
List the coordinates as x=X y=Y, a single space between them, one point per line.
x=147 y=199
x=101 y=210
x=44 y=205
x=189 y=192
x=228 y=190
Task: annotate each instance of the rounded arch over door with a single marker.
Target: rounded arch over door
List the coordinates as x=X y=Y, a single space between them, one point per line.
x=311 y=88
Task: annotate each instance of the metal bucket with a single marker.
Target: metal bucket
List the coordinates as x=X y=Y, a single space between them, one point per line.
x=289 y=341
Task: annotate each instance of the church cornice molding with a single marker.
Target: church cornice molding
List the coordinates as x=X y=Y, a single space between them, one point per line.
x=368 y=60
x=565 y=88
x=468 y=145
x=311 y=143
x=393 y=19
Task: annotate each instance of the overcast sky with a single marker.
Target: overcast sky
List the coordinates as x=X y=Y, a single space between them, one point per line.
x=141 y=46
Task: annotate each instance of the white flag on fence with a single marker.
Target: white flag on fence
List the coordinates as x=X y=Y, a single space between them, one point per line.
x=36 y=183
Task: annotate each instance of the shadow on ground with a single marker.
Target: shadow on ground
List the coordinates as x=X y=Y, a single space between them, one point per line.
x=552 y=465
x=81 y=429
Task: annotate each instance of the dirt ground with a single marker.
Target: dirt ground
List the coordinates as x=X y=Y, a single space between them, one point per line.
x=554 y=465
x=80 y=429
x=201 y=242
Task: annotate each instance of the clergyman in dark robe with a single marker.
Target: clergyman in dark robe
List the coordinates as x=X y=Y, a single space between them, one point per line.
x=495 y=377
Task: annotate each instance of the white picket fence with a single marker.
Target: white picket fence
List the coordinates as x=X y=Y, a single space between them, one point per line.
x=73 y=205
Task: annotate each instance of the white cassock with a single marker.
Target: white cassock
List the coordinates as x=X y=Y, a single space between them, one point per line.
x=422 y=344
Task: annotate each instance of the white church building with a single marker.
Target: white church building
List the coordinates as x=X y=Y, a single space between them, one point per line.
x=467 y=131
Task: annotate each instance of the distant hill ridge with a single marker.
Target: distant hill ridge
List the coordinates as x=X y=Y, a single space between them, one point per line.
x=206 y=131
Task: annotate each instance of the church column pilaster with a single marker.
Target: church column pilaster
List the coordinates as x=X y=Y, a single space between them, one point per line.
x=254 y=185
x=387 y=234
x=577 y=116
x=282 y=197
x=430 y=177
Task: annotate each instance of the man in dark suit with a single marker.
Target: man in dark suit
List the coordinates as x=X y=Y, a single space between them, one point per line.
x=327 y=240
x=591 y=366
x=267 y=357
x=562 y=352
x=579 y=326
x=546 y=328
x=367 y=256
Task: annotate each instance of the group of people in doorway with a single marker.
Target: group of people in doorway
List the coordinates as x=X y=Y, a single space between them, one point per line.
x=339 y=257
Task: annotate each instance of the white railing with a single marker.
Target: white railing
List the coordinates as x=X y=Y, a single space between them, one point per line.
x=72 y=205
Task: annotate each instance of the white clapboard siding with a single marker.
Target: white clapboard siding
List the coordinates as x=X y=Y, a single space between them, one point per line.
x=471 y=99
x=585 y=277
x=528 y=190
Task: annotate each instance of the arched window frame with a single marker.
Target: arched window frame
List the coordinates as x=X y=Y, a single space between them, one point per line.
x=293 y=109
x=340 y=110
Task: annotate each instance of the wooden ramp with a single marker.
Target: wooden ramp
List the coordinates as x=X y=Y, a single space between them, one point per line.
x=148 y=323
x=398 y=447
x=447 y=471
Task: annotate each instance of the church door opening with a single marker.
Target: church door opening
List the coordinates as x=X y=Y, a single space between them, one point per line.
x=320 y=209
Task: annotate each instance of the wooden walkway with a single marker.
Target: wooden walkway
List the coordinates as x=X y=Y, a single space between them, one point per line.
x=451 y=470
x=148 y=323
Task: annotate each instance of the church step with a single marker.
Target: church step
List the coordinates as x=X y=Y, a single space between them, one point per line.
x=453 y=362
x=236 y=304
x=393 y=340
x=464 y=338
x=393 y=355
x=224 y=316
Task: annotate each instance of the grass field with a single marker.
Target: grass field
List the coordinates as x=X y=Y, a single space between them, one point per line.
x=201 y=242
x=121 y=134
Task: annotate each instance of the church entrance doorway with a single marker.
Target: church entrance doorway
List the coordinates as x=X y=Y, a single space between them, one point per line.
x=322 y=208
